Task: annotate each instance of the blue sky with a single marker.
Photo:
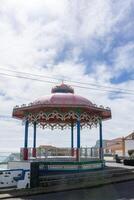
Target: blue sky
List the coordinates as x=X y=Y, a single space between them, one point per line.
x=87 y=41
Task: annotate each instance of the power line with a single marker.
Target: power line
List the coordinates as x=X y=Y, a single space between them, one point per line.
x=24 y=77
x=82 y=83
x=78 y=86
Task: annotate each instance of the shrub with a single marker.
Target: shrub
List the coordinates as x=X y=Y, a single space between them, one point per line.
x=131 y=152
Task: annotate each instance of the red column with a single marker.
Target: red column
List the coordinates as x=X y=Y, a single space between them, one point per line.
x=25 y=153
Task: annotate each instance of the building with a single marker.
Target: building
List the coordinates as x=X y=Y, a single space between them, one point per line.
x=114 y=146
x=104 y=142
x=49 y=150
x=120 y=145
x=128 y=143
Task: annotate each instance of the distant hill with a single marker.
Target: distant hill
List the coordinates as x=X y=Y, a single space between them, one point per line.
x=12 y=157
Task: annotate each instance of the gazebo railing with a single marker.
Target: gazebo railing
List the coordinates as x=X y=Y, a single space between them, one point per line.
x=89 y=152
x=66 y=153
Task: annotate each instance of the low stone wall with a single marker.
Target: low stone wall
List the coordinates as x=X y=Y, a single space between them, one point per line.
x=43 y=169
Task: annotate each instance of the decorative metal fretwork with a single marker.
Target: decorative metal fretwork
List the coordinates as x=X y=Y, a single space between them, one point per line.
x=59 y=120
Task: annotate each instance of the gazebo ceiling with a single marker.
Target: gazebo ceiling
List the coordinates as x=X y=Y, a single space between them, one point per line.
x=61 y=109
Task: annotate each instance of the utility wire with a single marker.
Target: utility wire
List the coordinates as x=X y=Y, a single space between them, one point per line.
x=85 y=83
x=82 y=83
x=24 y=77
x=54 y=82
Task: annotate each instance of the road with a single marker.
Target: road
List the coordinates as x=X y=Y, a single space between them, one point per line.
x=119 y=191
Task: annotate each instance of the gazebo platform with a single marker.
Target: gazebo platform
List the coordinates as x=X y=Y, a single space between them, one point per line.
x=55 y=165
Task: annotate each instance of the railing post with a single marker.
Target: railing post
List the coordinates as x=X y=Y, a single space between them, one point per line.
x=123 y=147
x=91 y=152
x=86 y=155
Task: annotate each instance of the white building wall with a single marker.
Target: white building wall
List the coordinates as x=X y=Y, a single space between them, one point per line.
x=129 y=144
x=19 y=165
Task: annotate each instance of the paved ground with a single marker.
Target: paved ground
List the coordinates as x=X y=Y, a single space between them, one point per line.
x=120 y=191
x=114 y=164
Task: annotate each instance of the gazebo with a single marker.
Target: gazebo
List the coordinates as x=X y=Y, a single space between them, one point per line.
x=62 y=109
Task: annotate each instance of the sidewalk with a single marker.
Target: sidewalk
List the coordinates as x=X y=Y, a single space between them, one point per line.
x=118 y=165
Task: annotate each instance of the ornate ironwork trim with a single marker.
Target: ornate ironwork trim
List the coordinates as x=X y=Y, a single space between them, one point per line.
x=57 y=120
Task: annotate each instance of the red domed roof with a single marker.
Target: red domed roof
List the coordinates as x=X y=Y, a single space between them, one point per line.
x=63 y=99
x=61 y=108
x=63 y=95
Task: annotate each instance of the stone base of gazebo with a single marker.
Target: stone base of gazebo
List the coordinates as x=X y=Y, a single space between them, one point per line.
x=62 y=167
x=38 y=170
x=58 y=165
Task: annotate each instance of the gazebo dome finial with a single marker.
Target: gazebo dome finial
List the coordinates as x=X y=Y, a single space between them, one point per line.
x=63 y=88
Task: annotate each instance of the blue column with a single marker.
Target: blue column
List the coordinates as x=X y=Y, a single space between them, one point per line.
x=78 y=141
x=72 y=136
x=101 y=141
x=72 y=139
x=25 y=150
x=78 y=134
x=26 y=134
x=34 y=138
x=34 y=141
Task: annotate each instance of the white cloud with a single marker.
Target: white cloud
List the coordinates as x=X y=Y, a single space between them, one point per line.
x=124 y=57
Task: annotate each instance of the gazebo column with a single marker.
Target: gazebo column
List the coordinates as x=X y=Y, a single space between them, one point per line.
x=34 y=140
x=72 y=139
x=101 y=141
x=78 y=141
x=25 y=150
